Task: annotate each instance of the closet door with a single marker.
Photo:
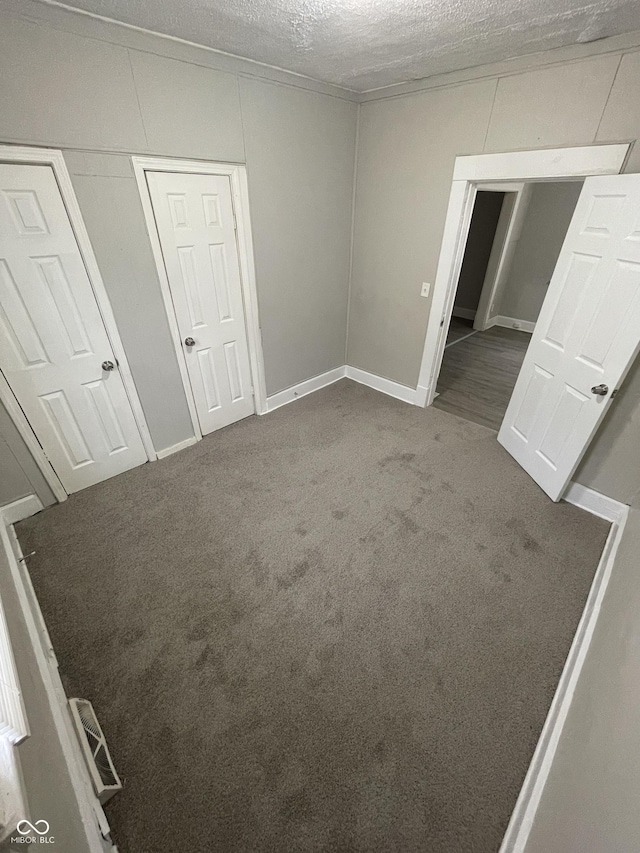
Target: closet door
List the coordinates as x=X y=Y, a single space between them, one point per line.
x=54 y=348
x=196 y=226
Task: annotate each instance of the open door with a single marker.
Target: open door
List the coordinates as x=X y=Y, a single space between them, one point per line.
x=586 y=337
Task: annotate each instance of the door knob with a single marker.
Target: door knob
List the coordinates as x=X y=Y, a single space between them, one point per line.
x=108 y=365
x=600 y=390
x=189 y=342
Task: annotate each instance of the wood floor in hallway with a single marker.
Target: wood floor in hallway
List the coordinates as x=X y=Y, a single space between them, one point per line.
x=479 y=373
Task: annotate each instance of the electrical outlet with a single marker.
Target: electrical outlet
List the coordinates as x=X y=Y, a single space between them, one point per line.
x=426 y=287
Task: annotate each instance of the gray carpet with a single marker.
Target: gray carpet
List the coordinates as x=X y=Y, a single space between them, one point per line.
x=335 y=628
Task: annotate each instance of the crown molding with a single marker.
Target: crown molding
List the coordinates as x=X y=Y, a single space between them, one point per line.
x=82 y=23
x=625 y=43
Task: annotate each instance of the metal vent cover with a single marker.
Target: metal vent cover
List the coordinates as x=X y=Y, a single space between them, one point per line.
x=104 y=777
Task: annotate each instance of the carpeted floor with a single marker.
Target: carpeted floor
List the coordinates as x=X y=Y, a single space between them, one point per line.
x=335 y=628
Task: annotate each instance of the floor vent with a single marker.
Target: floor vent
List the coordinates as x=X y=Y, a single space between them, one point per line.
x=94 y=747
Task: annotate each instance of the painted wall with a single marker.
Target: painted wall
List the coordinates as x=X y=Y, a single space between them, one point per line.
x=13 y=481
x=545 y=224
x=19 y=474
x=112 y=211
x=482 y=232
x=590 y=801
x=101 y=92
x=407 y=147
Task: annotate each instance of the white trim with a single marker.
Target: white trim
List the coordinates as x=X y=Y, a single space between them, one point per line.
x=547 y=164
x=502 y=252
x=625 y=43
x=176 y=448
x=94 y=820
x=542 y=164
x=14 y=726
x=13 y=801
x=237 y=175
x=308 y=386
x=501 y=187
x=379 y=383
x=522 y=818
x=53 y=158
x=595 y=502
x=16 y=414
x=458 y=220
x=464 y=313
x=510 y=323
x=22 y=508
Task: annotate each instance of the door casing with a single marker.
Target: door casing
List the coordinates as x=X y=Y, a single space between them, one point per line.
x=54 y=159
x=237 y=175
x=501 y=253
x=548 y=164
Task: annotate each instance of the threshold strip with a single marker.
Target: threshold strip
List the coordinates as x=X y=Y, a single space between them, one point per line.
x=463 y=338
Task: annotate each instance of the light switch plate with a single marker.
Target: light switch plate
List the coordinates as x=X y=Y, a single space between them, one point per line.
x=426 y=288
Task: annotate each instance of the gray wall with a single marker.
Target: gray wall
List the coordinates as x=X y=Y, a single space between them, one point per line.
x=590 y=802
x=482 y=231
x=19 y=474
x=101 y=93
x=300 y=155
x=406 y=152
x=111 y=209
x=544 y=228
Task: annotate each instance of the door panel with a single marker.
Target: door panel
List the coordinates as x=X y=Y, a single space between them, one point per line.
x=587 y=335
x=194 y=217
x=53 y=340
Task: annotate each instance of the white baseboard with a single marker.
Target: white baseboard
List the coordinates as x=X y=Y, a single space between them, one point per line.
x=387 y=386
x=94 y=821
x=421 y=396
x=304 y=388
x=22 y=508
x=379 y=383
x=595 y=503
x=181 y=445
x=464 y=313
x=523 y=816
x=511 y=323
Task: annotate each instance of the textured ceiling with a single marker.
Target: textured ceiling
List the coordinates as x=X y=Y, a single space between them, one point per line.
x=366 y=44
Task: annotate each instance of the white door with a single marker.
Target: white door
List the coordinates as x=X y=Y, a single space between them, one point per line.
x=586 y=337
x=52 y=338
x=194 y=217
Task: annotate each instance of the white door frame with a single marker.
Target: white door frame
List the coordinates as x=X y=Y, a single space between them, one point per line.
x=501 y=253
x=237 y=175
x=553 y=164
x=54 y=158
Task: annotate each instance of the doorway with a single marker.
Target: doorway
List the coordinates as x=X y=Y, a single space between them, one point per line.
x=198 y=223
x=511 y=251
x=586 y=337
x=64 y=377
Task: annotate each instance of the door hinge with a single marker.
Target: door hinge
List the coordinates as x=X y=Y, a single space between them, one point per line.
x=442 y=322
